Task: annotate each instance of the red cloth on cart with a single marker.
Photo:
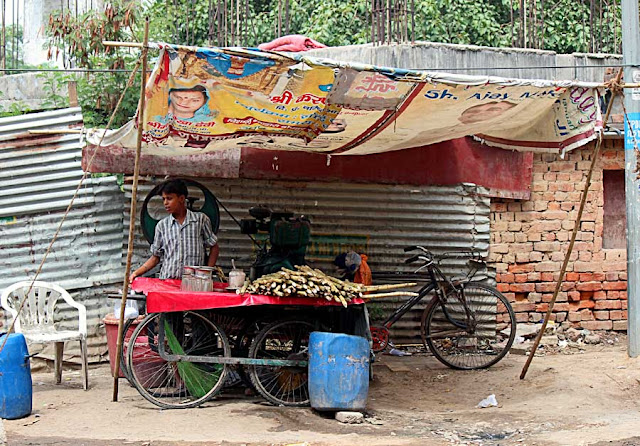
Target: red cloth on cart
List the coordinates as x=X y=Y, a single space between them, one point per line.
x=165 y=295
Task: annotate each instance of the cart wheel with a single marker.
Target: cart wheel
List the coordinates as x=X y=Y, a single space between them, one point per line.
x=286 y=386
x=183 y=384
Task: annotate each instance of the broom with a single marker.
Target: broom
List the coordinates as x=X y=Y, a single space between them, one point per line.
x=197 y=381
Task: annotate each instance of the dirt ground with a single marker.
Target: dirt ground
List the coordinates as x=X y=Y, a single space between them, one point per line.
x=581 y=396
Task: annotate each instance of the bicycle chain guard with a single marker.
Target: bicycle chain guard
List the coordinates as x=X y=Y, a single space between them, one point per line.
x=380 y=338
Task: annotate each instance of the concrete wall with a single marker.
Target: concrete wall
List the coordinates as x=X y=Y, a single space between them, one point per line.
x=21 y=90
x=477 y=60
x=529 y=240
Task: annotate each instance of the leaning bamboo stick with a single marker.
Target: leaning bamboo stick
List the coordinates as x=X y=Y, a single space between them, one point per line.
x=576 y=227
x=134 y=191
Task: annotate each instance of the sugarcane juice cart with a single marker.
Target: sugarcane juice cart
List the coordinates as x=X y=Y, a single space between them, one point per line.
x=180 y=355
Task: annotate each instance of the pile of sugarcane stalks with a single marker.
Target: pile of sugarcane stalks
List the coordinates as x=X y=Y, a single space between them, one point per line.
x=308 y=282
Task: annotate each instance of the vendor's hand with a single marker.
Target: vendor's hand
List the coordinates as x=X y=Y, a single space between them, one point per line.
x=132 y=277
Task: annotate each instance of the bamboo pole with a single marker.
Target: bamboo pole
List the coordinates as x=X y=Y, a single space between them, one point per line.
x=132 y=217
x=393 y=286
x=576 y=226
x=123 y=44
x=392 y=294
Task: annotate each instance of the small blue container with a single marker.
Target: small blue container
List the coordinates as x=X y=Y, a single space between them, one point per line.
x=338 y=371
x=15 y=378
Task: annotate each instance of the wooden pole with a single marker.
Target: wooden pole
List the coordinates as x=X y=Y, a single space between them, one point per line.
x=576 y=226
x=73 y=93
x=132 y=217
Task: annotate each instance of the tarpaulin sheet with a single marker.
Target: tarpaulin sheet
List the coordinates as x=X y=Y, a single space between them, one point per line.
x=206 y=99
x=166 y=296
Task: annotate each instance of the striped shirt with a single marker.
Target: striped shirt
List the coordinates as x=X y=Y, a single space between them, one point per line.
x=183 y=244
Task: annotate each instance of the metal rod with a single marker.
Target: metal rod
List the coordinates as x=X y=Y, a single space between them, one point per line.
x=372 y=16
x=521 y=30
x=541 y=25
x=132 y=219
x=413 y=21
x=576 y=226
x=631 y=58
x=3 y=37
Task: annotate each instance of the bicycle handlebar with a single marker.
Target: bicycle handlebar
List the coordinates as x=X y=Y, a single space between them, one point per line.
x=474 y=255
x=412 y=259
x=415 y=248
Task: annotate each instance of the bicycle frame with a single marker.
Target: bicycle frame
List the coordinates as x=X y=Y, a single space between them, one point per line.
x=405 y=307
x=433 y=271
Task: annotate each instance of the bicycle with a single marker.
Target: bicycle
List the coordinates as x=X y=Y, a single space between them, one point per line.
x=467 y=325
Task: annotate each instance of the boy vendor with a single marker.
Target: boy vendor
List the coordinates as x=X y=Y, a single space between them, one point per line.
x=180 y=238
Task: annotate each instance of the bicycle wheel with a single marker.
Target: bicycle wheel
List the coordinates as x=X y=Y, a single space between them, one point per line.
x=475 y=342
x=286 y=386
x=183 y=384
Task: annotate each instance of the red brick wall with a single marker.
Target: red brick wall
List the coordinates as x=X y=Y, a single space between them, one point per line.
x=529 y=240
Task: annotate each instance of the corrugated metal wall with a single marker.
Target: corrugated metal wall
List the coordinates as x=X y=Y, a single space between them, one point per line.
x=379 y=219
x=38 y=176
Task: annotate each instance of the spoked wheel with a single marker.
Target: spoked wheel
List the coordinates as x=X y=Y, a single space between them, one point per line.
x=183 y=384
x=474 y=341
x=286 y=386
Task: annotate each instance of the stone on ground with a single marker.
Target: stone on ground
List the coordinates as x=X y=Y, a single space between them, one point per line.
x=572 y=334
x=592 y=339
x=349 y=417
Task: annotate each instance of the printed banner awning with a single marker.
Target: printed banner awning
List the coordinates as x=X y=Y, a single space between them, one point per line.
x=200 y=100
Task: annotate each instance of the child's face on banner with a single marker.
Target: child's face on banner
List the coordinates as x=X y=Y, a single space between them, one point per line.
x=185 y=103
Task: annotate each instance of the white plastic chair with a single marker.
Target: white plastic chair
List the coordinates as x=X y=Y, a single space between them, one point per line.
x=36 y=319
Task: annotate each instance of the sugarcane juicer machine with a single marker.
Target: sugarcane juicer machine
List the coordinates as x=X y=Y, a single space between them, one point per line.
x=286 y=245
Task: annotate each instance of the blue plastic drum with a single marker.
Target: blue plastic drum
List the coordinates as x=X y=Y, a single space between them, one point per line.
x=15 y=378
x=338 y=371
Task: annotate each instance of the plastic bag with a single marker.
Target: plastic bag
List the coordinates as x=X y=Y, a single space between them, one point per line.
x=488 y=402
